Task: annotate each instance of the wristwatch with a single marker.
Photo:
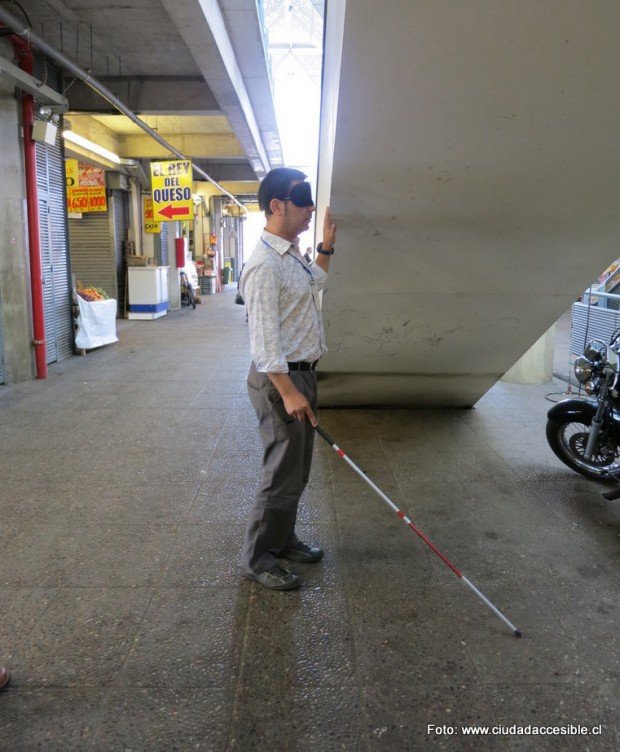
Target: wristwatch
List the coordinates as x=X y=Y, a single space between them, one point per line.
x=319 y=249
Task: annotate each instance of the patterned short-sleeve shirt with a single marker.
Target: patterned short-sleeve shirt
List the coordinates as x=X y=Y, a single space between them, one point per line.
x=281 y=292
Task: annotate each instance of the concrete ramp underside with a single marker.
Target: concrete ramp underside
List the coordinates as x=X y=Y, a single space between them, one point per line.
x=469 y=154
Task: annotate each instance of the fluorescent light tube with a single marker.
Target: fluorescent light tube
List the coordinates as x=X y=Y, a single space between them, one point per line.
x=95 y=148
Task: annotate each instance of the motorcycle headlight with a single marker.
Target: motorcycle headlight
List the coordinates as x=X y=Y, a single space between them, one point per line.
x=583 y=369
x=595 y=350
x=592 y=386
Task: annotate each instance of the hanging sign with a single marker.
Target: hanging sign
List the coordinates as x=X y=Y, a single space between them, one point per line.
x=147 y=212
x=85 y=188
x=171 y=186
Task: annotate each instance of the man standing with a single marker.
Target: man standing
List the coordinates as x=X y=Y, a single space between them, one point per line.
x=281 y=292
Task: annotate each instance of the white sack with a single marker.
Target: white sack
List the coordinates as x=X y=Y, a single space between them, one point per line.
x=96 y=323
x=190 y=270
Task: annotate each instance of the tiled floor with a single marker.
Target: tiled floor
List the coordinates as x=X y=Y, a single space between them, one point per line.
x=125 y=481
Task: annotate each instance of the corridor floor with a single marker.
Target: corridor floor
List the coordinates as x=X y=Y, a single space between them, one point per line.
x=126 y=477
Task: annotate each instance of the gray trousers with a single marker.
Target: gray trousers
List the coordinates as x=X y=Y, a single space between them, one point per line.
x=287 y=458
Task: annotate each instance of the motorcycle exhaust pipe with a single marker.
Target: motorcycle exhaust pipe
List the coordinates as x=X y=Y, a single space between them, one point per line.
x=418 y=532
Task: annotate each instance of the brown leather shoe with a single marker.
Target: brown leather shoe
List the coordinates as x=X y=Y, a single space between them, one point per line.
x=4 y=677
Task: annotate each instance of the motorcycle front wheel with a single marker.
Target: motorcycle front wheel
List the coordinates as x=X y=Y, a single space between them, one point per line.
x=568 y=440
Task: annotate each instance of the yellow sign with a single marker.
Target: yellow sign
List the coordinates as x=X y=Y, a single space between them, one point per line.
x=149 y=225
x=171 y=185
x=85 y=187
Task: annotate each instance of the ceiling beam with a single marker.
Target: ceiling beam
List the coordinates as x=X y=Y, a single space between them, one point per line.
x=201 y=25
x=226 y=170
x=244 y=20
x=204 y=145
x=150 y=95
x=141 y=146
x=89 y=128
x=24 y=81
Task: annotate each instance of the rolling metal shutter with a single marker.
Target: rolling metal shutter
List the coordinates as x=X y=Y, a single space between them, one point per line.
x=54 y=252
x=92 y=262
x=163 y=260
x=53 y=234
x=60 y=253
x=46 y=261
x=98 y=247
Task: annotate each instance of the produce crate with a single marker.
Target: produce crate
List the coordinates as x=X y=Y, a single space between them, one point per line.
x=207 y=285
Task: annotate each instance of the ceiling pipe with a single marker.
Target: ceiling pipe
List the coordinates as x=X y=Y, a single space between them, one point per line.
x=23 y=52
x=18 y=27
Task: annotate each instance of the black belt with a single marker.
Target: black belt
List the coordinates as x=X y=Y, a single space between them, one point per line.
x=303 y=365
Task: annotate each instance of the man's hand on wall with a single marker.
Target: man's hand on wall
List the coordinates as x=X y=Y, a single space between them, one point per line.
x=329 y=231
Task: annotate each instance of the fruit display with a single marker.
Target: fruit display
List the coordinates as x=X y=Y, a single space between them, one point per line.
x=91 y=294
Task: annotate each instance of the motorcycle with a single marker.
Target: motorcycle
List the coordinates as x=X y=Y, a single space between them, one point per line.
x=585 y=433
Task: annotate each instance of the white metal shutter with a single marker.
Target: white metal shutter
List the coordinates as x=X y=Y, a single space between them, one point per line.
x=53 y=236
x=160 y=245
x=163 y=260
x=60 y=253
x=46 y=256
x=54 y=253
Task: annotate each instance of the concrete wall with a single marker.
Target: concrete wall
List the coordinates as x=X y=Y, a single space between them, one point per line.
x=334 y=31
x=14 y=268
x=475 y=182
x=536 y=365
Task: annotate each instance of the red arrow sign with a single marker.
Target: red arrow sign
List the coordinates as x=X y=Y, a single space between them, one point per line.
x=172 y=211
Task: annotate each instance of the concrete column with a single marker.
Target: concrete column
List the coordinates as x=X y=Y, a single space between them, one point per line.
x=135 y=215
x=536 y=366
x=198 y=228
x=148 y=243
x=15 y=312
x=490 y=137
x=174 y=285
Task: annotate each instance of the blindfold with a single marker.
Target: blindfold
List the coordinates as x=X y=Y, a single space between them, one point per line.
x=300 y=195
